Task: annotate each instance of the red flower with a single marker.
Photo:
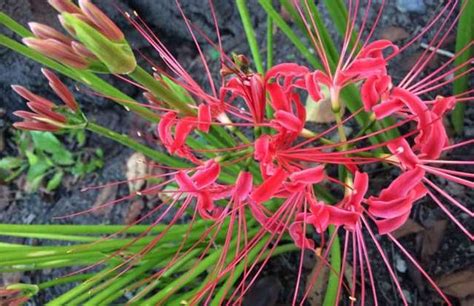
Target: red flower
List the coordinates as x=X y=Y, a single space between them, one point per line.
x=393 y=205
x=202 y=187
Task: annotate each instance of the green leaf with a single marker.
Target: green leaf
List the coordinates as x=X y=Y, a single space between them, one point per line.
x=55 y=181
x=39 y=168
x=250 y=33
x=46 y=141
x=32 y=158
x=465 y=36
x=11 y=162
x=64 y=159
x=81 y=137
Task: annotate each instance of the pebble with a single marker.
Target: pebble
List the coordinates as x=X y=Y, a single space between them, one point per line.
x=411 y=6
x=400 y=264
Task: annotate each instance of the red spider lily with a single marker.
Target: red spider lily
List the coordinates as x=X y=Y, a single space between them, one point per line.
x=44 y=115
x=202 y=186
x=274 y=175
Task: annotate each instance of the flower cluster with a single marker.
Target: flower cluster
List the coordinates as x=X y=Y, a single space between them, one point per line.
x=253 y=159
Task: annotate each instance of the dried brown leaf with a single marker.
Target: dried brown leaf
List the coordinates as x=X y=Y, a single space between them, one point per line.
x=106 y=195
x=394 y=34
x=410 y=227
x=136 y=170
x=4 y=197
x=459 y=284
x=317 y=291
x=134 y=211
x=320 y=111
x=264 y=292
x=432 y=238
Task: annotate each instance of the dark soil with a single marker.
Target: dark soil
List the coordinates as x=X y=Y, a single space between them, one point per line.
x=453 y=254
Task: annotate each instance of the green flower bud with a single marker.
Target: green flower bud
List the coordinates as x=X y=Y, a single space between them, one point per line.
x=116 y=55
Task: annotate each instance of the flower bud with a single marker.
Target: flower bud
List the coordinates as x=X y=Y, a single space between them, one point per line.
x=65 y=6
x=57 y=50
x=106 y=26
x=117 y=56
x=46 y=32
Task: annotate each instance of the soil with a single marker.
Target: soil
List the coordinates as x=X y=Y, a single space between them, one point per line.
x=453 y=254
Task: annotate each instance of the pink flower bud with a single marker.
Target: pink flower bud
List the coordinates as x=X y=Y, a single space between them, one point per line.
x=60 y=89
x=56 y=50
x=65 y=6
x=101 y=21
x=46 y=32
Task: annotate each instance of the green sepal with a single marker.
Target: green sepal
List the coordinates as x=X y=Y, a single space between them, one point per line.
x=117 y=56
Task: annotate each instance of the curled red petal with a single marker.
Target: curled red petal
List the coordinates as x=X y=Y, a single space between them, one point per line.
x=373 y=89
x=288 y=121
x=243 y=186
x=443 y=104
x=386 y=226
x=361 y=184
x=374 y=49
x=403 y=184
x=184 y=182
x=308 y=176
x=208 y=175
x=401 y=148
x=390 y=209
x=269 y=187
x=164 y=128
x=365 y=67
x=204 y=117
x=312 y=87
x=182 y=130
x=339 y=216
x=286 y=69
x=297 y=232
x=387 y=107
x=433 y=145
x=320 y=216
x=262 y=147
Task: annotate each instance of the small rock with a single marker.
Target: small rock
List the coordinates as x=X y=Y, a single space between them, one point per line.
x=400 y=264
x=407 y=295
x=411 y=6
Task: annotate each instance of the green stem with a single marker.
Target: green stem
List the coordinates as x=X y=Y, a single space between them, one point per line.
x=465 y=36
x=250 y=33
x=161 y=92
x=65 y=229
x=65 y=280
x=128 y=142
x=269 y=42
x=333 y=281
